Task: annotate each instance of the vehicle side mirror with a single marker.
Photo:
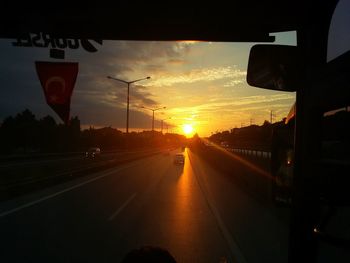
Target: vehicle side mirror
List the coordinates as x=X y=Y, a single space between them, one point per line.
x=273 y=67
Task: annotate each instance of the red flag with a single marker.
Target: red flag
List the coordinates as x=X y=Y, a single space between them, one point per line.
x=58 y=80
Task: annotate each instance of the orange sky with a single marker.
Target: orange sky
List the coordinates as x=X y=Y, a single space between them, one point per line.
x=201 y=84
x=206 y=88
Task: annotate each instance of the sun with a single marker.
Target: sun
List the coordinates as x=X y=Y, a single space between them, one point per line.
x=187 y=129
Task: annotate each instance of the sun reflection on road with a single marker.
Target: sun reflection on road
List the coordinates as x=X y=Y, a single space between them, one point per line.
x=184 y=225
x=183 y=189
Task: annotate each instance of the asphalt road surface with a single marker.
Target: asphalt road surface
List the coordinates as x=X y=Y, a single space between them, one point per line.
x=191 y=210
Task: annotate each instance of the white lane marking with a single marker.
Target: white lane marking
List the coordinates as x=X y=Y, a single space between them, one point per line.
x=234 y=248
x=11 y=211
x=122 y=207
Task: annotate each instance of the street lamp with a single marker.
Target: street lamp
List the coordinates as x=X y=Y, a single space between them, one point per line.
x=162 y=123
x=127 y=101
x=153 y=110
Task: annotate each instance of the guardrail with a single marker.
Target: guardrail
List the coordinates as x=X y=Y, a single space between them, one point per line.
x=239 y=170
x=254 y=153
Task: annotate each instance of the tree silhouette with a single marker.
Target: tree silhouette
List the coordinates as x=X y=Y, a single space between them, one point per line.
x=253 y=136
x=25 y=134
x=48 y=133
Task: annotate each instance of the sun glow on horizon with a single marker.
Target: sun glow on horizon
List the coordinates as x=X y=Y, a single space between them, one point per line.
x=188 y=129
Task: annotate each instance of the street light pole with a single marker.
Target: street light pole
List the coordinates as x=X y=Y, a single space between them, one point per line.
x=128 y=97
x=127 y=110
x=153 y=110
x=162 y=123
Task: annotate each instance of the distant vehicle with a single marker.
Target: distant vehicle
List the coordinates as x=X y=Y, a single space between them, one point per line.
x=208 y=143
x=93 y=152
x=224 y=144
x=179 y=158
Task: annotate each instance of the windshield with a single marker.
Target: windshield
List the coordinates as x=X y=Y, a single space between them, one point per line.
x=140 y=104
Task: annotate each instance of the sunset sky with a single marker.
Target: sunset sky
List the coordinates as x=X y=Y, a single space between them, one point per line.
x=201 y=84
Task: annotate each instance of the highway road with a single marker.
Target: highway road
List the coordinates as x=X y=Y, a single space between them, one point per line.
x=196 y=213
x=60 y=159
x=27 y=174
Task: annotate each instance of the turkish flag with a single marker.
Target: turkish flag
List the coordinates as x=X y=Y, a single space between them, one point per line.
x=57 y=80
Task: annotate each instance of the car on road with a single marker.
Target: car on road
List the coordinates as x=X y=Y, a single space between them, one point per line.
x=93 y=152
x=179 y=158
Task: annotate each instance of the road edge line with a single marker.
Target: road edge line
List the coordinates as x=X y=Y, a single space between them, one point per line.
x=232 y=244
x=121 y=207
x=106 y=173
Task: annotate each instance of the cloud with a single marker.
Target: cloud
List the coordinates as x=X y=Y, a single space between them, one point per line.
x=122 y=59
x=140 y=95
x=177 y=61
x=196 y=75
x=191 y=94
x=234 y=82
x=95 y=98
x=226 y=112
x=224 y=103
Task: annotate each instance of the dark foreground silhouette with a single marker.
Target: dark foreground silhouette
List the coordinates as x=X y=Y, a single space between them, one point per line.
x=149 y=254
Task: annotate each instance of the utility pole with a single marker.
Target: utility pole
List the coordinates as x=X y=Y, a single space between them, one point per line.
x=271 y=116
